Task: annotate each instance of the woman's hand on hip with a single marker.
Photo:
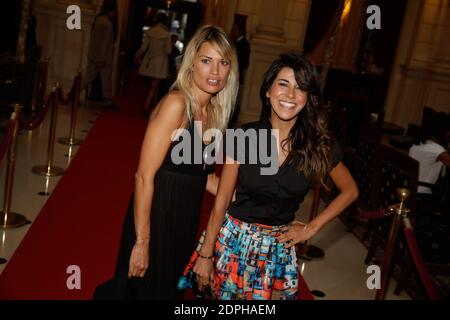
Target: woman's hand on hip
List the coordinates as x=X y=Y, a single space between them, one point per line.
x=295 y=233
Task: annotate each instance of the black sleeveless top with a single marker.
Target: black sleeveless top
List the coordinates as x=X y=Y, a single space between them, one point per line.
x=187 y=154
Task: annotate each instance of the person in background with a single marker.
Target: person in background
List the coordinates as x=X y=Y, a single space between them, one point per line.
x=101 y=50
x=431 y=152
x=162 y=221
x=155 y=49
x=166 y=83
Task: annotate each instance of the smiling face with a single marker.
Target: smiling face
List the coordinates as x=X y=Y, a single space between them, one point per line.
x=210 y=70
x=286 y=97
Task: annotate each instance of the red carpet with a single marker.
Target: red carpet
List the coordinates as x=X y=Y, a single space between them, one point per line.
x=133 y=94
x=81 y=222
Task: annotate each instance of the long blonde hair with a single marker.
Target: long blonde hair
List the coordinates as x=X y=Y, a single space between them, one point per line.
x=222 y=103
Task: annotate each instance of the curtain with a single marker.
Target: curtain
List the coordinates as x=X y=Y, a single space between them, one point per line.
x=220 y=13
x=347 y=35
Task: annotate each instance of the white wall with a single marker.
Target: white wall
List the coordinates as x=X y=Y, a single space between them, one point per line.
x=67 y=49
x=273 y=27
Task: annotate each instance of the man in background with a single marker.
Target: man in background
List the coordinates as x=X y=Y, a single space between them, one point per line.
x=101 y=50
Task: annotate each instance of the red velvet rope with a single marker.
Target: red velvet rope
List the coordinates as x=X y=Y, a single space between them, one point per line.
x=374 y=214
x=36 y=122
x=7 y=139
x=420 y=264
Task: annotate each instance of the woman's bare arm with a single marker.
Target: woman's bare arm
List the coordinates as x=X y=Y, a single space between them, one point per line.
x=166 y=118
x=348 y=193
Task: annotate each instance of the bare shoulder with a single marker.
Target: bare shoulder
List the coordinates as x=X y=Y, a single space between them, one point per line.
x=171 y=106
x=166 y=118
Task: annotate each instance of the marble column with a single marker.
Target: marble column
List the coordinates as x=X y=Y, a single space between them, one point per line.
x=274 y=27
x=67 y=49
x=421 y=71
x=219 y=12
x=271 y=20
x=442 y=56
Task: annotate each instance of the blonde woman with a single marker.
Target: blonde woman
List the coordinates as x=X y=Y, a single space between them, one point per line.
x=155 y=48
x=161 y=224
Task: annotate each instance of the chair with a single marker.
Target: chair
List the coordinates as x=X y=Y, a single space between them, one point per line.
x=428 y=115
x=337 y=123
x=366 y=157
x=414 y=131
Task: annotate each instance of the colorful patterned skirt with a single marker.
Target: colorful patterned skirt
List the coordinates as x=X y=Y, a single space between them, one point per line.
x=249 y=263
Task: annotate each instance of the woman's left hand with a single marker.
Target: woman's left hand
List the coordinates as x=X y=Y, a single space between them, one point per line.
x=295 y=233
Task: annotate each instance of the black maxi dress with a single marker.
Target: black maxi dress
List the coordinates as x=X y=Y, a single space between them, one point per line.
x=175 y=213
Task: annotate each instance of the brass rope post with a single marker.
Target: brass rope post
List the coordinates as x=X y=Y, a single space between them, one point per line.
x=10 y=219
x=71 y=140
x=399 y=211
x=50 y=170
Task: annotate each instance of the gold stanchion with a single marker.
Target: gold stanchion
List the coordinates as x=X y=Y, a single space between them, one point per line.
x=69 y=155
x=10 y=219
x=400 y=211
x=71 y=140
x=47 y=183
x=48 y=169
x=3 y=241
x=3 y=260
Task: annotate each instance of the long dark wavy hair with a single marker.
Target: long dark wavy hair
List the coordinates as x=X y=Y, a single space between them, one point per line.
x=309 y=140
